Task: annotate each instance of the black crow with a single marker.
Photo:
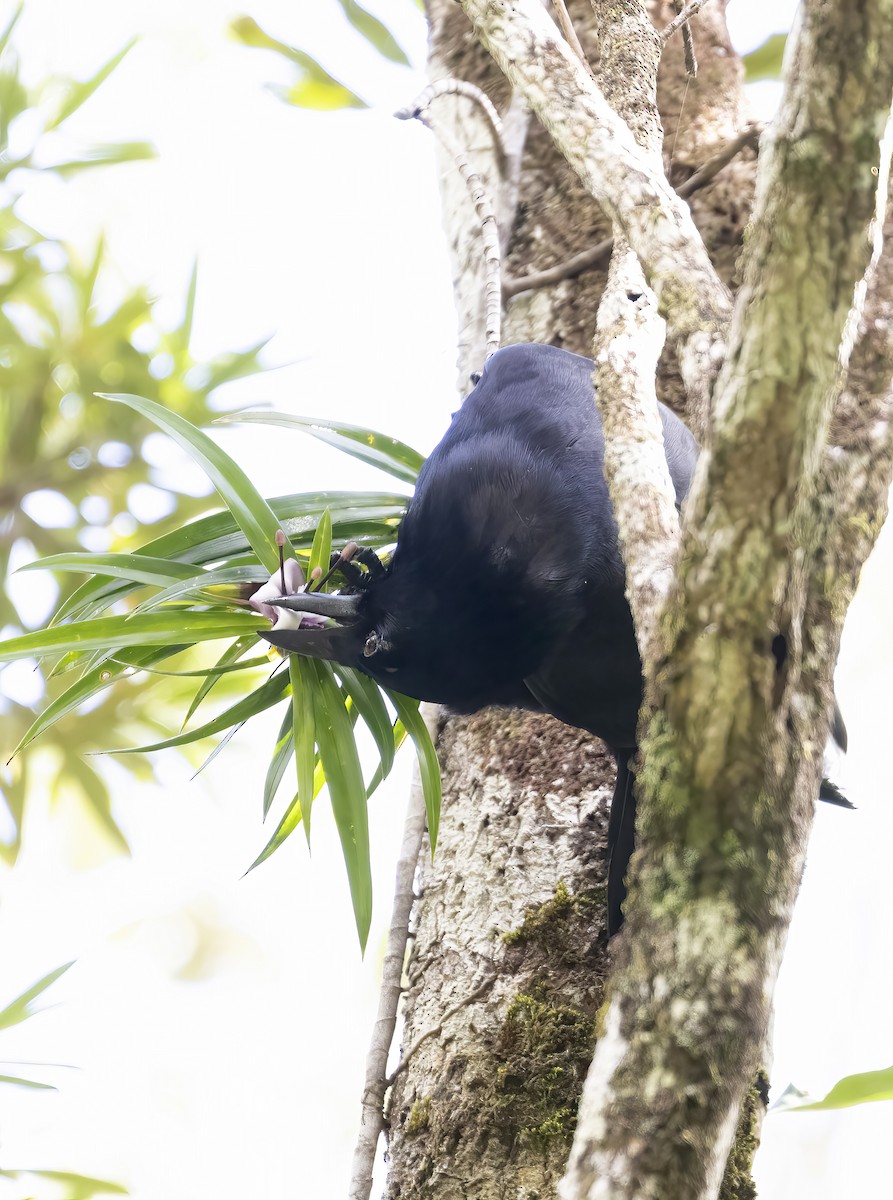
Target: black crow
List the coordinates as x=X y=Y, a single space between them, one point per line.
x=507 y=585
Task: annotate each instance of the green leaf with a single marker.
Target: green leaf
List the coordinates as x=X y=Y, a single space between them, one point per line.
x=765 y=62
x=429 y=767
x=28 y=1083
x=252 y=513
x=376 y=449
x=88 y=685
x=80 y=92
x=374 y=31
x=77 y=1187
x=367 y=697
x=20 y=1009
x=303 y=681
x=259 y=700
x=344 y=776
x=321 y=550
x=281 y=754
x=216 y=586
x=10 y=26
x=143 y=629
x=105 y=156
x=315 y=88
x=853 y=1089
x=227 y=659
x=134 y=567
x=365 y=517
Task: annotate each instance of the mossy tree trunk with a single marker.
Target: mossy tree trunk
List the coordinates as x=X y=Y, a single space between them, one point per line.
x=512 y=908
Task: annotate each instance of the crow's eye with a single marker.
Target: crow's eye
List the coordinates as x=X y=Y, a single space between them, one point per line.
x=371 y=646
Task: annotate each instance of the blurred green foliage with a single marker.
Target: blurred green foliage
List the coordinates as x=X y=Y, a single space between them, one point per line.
x=313 y=86
x=69 y=460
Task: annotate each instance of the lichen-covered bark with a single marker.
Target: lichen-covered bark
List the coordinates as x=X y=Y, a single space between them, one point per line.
x=485 y=1107
x=731 y=762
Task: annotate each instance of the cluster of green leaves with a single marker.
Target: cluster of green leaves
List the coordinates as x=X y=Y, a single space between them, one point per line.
x=77 y=1187
x=187 y=587
x=314 y=87
x=64 y=335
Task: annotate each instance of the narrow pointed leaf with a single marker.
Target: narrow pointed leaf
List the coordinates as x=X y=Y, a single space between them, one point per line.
x=144 y=629
x=864 y=1088
x=136 y=568
x=79 y=93
x=10 y=26
x=376 y=449
x=227 y=658
x=204 y=586
x=303 y=677
x=375 y=32
x=252 y=513
x=87 y=686
x=259 y=700
x=344 y=776
x=429 y=767
x=105 y=156
x=321 y=550
x=282 y=753
x=17 y=1081
x=20 y=1009
x=367 y=697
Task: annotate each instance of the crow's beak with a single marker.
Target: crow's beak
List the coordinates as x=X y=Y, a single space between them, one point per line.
x=342 y=608
x=335 y=644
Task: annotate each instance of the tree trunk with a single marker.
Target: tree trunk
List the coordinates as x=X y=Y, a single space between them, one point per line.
x=510 y=950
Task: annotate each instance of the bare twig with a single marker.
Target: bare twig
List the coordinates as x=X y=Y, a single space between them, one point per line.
x=483 y=987
x=483 y=205
x=566 y=25
x=455 y=87
x=688 y=42
x=682 y=19
x=597 y=255
x=372 y=1116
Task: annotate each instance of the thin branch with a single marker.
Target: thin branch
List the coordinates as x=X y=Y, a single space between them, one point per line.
x=566 y=25
x=626 y=182
x=372 y=1115
x=480 y=197
x=597 y=255
x=688 y=43
x=682 y=19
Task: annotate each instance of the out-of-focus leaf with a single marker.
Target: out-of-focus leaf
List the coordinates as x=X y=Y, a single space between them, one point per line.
x=20 y=1009
x=10 y=26
x=27 y=1083
x=105 y=156
x=344 y=777
x=864 y=1088
x=259 y=700
x=303 y=681
x=315 y=87
x=376 y=449
x=252 y=513
x=80 y=92
x=96 y=793
x=374 y=31
x=144 y=629
x=77 y=1187
x=429 y=768
x=766 y=61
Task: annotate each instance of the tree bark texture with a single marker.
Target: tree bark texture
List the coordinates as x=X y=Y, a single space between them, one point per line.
x=512 y=907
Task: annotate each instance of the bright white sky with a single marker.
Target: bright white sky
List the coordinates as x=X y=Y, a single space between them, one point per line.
x=324 y=230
